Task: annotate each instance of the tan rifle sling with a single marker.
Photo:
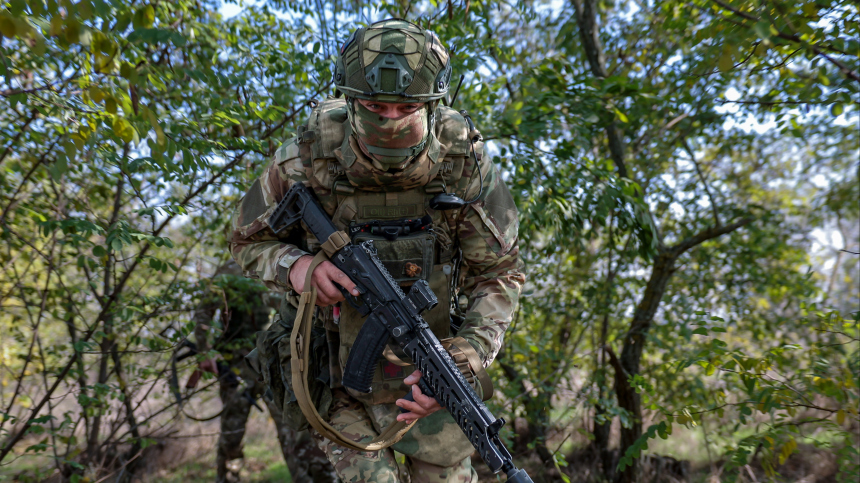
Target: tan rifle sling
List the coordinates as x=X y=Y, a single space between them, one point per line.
x=300 y=341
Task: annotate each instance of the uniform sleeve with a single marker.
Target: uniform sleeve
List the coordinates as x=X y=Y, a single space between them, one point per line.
x=493 y=279
x=203 y=315
x=258 y=251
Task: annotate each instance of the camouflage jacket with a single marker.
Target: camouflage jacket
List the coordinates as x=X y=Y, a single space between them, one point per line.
x=244 y=309
x=325 y=157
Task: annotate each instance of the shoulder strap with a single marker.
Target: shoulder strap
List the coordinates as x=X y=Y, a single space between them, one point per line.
x=300 y=340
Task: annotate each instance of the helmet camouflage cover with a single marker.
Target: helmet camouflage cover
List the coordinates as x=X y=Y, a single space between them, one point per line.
x=393 y=61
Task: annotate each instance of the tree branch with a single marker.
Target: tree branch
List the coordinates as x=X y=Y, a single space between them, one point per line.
x=707 y=234
x=796 y=39
x=704 y=181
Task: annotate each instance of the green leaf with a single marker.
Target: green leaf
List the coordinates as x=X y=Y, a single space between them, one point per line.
x=700 y=331
x=836 y=109
x=762 y=29
x=126 y=70
x=8 y=26
x=725 y=63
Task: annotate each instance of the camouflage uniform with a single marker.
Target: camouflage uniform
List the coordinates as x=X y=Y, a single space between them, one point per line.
x=243 y=316
x=469 y=256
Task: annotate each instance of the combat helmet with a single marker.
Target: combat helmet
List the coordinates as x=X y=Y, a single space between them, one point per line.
x=393 y=60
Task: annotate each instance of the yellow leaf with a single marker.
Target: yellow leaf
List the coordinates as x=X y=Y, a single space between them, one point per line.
x=787 y=450
x=840 y=416
x=123 y=129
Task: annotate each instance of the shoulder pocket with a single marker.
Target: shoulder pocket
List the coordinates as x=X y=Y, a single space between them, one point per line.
x=499 y=215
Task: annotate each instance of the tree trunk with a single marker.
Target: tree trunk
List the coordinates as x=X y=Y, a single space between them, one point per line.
x=537 y=430
x=600 y=446
x=631 y=354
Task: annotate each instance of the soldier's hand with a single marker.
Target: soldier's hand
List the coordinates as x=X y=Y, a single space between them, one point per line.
x=209 y=365
x=423 y=405
x=324 y=278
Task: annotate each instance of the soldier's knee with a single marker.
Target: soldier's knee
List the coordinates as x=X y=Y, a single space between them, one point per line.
x=352 y=465
x=424 y=472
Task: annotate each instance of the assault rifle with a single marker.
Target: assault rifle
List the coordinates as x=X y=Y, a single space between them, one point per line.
x=391 y=314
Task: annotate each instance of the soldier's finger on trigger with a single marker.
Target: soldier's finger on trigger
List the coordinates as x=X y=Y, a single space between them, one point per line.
x=343 y=280
x=336 y=276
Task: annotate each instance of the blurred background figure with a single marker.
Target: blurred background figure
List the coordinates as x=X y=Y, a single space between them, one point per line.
x=231 y=311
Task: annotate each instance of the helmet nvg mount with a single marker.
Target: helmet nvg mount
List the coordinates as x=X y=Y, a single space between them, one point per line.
x=393 y=60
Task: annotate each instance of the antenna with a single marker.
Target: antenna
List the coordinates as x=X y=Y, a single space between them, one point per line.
x=457 y=90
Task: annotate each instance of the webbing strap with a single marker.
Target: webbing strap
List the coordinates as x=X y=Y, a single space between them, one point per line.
x=413 y=151
x=474 y=363
x=300 y=341
x=335 y=242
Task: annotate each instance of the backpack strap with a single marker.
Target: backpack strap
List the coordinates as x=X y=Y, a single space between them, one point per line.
x=300 y=339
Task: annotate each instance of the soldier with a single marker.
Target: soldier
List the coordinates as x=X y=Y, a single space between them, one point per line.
x=378 y=161
x=244 y=311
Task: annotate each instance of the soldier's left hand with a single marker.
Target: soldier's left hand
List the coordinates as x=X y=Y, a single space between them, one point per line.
x=423 y=405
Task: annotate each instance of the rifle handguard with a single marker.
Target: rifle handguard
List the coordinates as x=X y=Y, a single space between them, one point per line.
x=466 y=358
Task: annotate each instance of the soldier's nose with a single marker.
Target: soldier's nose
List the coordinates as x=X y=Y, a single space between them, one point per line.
x=390 y=112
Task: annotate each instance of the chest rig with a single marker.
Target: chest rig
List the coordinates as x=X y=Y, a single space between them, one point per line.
x=413 y=241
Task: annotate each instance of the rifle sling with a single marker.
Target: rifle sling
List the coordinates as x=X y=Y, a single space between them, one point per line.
x=300 y=341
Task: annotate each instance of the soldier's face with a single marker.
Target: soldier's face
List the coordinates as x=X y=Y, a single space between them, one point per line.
x=391 y=110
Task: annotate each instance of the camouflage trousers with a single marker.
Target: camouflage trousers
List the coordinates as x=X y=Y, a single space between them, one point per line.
x=307 y=463
x=435 y=448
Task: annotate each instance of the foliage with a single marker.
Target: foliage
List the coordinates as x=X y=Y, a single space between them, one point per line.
x=676 y=165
